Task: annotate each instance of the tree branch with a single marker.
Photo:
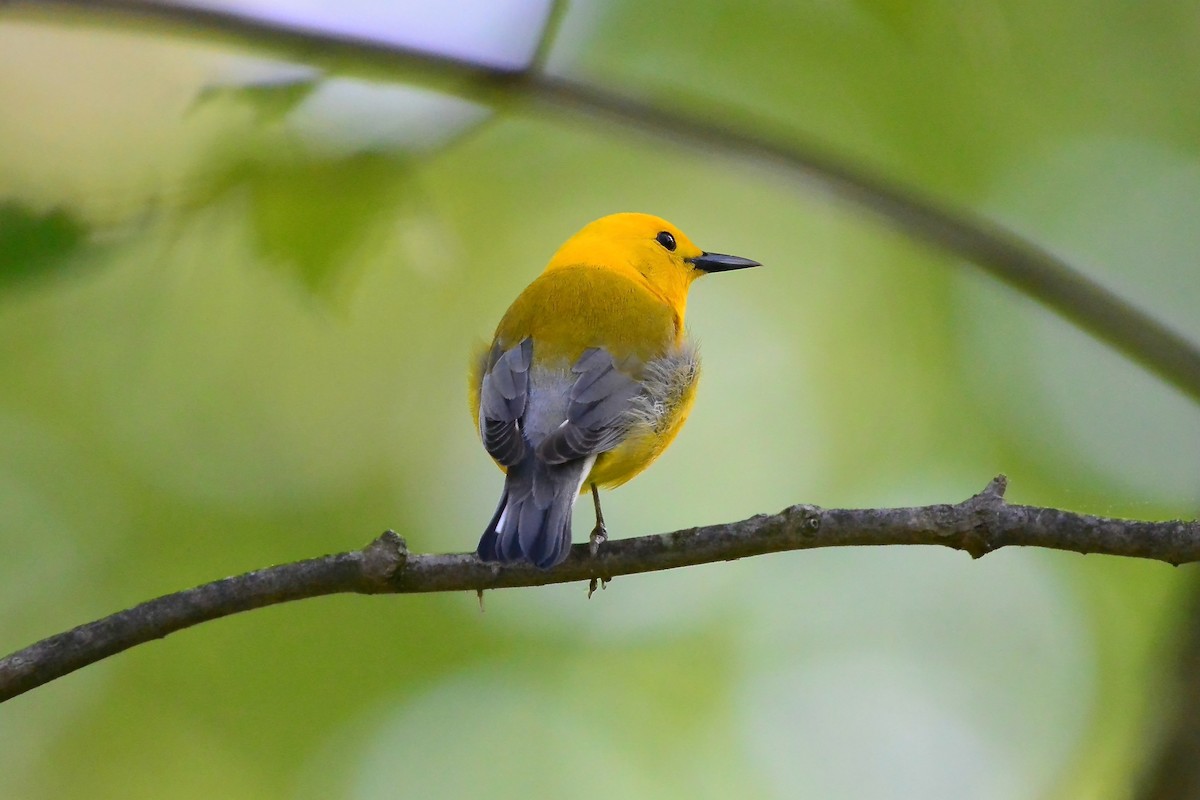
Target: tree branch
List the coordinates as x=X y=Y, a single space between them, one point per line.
x=1000 y=252
x=978 y=525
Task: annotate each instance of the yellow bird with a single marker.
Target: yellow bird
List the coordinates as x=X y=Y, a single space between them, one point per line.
x=589 y=377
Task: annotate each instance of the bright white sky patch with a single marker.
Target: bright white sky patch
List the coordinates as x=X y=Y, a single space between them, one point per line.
x=501 y=33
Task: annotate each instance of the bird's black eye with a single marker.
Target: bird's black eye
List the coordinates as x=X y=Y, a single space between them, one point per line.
x=666 y=240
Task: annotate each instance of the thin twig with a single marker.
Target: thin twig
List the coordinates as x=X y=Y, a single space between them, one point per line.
x=979 y=525
x=550 y=28
x=1000 y=252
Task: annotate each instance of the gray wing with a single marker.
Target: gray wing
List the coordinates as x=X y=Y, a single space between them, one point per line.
x=503 y=395
x=599 y=406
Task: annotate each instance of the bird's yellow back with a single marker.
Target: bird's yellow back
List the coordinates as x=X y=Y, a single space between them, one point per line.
x=571 y=308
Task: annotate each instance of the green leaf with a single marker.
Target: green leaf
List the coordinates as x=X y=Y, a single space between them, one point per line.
x=270 y=100
x=310 y=216
x=33 y=243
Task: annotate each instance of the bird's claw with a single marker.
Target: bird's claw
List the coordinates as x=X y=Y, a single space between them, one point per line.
x=599 y=536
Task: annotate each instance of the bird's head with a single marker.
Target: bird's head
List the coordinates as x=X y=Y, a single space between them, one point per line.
x=648 y=249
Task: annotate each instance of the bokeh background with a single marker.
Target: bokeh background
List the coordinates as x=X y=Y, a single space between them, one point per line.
x=237 y=298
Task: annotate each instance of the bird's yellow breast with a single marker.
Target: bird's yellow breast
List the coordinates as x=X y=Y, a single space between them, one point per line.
x=647 y=441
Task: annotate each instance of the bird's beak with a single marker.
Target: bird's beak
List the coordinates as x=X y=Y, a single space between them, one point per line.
x=718 y=262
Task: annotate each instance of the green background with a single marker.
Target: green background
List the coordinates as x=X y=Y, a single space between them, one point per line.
x=234 y=330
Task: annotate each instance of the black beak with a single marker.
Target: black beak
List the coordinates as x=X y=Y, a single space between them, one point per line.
x=718 y=262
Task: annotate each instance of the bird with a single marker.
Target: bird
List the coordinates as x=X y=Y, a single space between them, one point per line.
x=588 y=378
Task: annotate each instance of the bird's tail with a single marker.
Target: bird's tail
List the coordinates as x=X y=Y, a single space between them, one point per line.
x=533 y=520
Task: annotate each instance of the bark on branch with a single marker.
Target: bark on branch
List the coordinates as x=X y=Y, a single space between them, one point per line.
x=978 y=525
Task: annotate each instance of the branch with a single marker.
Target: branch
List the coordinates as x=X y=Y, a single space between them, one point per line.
x=1000 y=252
x=978 y=525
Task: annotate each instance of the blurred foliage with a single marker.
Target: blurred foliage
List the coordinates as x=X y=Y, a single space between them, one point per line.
x=32 y=243
x=271 y=101
x=265 y=361
x=313 y=217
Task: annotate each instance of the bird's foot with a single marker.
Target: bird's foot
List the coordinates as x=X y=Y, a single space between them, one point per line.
x=599 y=536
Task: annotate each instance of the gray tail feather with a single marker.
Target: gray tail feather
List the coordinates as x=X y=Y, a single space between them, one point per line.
x=533 y=520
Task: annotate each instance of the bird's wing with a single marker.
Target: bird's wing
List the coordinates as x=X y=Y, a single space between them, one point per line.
x=598 y=410
x=503 y=395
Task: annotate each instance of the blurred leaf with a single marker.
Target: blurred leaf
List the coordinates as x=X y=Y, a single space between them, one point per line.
x=33 y=243
x=271 y=100
x=309 y=216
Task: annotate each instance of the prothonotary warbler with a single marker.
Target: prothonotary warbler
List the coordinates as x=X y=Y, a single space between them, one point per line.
x=589 y=377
